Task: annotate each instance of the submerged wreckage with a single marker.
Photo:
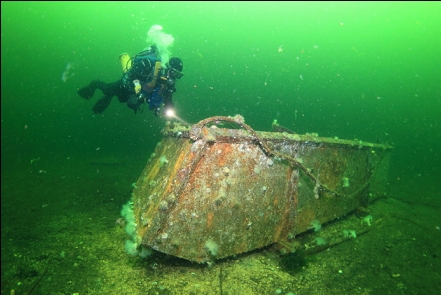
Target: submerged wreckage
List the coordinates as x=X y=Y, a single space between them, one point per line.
x=208 y=193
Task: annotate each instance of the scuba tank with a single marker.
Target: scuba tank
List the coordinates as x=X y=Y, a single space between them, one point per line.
x=145 y=73
x=125 y=60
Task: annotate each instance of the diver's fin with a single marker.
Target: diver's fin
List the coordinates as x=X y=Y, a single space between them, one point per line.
x=88 y=91
x=102 y=104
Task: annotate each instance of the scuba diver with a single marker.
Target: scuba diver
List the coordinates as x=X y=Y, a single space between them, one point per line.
x=145 y=80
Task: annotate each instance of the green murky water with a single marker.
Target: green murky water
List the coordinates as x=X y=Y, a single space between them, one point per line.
x=354 y=70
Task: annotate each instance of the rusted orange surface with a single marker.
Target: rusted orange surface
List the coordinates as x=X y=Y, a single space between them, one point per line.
x=223 y=194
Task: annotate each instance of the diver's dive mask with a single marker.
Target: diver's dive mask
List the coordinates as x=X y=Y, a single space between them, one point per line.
x=173 y=73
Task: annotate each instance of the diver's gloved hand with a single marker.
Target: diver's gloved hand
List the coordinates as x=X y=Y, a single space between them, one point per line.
x=137 y=87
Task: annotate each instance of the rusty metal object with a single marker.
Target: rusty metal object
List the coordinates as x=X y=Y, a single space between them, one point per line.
x=209 y=193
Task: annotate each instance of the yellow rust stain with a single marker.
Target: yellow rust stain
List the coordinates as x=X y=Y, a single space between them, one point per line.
x=205 y=131
x=153 y=171
x=278 y=231
x=174 y=171
x=210 y=216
